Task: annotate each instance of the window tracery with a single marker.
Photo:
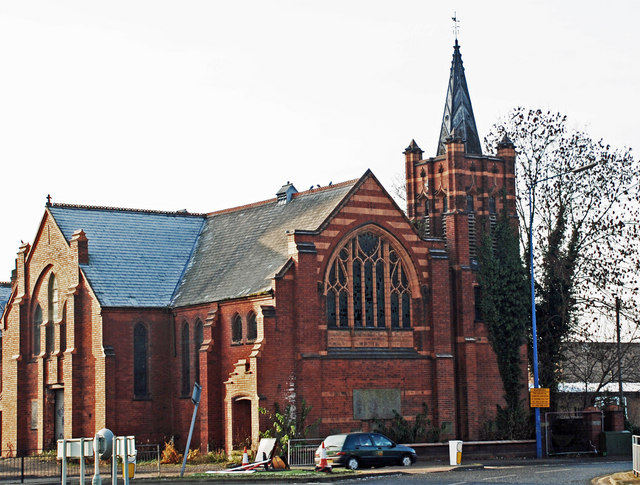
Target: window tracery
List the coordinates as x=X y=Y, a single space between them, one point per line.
x=367 y=286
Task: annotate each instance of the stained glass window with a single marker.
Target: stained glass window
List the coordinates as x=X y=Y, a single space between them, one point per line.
x=367 y=286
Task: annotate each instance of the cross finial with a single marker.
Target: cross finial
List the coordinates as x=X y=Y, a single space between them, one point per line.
x=456 y=26
x=48 y=200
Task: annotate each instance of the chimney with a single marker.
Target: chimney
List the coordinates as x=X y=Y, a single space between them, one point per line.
x=80 y=244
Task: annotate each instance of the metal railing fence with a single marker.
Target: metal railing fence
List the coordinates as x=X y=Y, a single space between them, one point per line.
x=33 y=464
x=301 y=451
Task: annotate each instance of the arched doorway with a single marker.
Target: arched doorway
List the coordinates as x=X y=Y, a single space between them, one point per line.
x=241 y=423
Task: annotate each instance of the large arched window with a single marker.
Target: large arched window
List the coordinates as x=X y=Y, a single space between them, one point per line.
x=198 y=342
x=140 y=362
x=52 y=313
x=367 y=286
x=186 y=360
x=236 y=329
x=252 y=327
x=35 y=334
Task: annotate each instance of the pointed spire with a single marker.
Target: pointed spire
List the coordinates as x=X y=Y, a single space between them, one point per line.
x=458 y=113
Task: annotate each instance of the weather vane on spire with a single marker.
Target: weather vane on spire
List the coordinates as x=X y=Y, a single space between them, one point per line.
x=456 y=26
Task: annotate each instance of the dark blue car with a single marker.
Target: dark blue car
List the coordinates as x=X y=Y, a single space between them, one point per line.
x=357 y=450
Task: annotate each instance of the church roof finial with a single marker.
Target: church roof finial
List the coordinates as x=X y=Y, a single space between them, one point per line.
x=458 y=113
x=456 y=26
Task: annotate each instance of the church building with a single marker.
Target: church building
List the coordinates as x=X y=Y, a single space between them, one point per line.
x=333 y=296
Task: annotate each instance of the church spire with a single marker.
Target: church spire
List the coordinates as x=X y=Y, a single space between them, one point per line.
x=458 y=114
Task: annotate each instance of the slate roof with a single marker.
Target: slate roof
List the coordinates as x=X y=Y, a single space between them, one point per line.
x=239 y=251
x=5 y=293
x=458 y=113
x=136 y=258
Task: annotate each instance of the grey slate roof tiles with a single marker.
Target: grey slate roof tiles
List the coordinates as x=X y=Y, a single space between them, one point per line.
x=458 y=116
x=239 y=251
x=155 y=259
x=136 y=258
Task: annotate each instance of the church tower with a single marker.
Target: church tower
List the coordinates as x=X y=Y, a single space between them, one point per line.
x=456 y=196
x=450 y=194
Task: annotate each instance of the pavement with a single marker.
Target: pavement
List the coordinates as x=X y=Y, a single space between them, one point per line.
x=171 y=475
x=421 y=467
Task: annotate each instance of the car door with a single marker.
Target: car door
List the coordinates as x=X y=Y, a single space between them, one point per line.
x=365 y=450
x=385 y=449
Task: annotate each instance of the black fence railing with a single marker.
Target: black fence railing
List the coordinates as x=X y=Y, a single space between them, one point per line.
x=30 y=465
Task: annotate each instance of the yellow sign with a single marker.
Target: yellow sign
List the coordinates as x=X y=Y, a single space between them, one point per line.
x=540 y=397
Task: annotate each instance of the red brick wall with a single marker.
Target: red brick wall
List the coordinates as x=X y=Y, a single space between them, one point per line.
x=452 y=368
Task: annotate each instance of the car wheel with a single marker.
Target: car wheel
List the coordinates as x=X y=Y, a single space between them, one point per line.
x=406 y=460
x=353 y=463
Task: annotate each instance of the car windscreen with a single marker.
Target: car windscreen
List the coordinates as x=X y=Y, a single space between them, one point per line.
x=335 y=441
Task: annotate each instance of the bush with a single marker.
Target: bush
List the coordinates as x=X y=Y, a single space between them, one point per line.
x=170 y=455
x=401 y=431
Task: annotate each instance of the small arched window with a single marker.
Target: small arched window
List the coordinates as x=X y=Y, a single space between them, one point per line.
x=236 y=329
x=35 y=334
x=63 y=329
x=186 y=360
x=198 y=342
x=252 y=327
x=470 y=203
x=140 y=362
x=52 y=299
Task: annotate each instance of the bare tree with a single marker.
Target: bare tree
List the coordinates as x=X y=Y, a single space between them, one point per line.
x=586 y=242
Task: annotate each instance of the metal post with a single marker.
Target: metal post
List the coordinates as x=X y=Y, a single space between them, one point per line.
x=195 y=399
x=114 y=460
x=158 y=455
x=622 y=406
x=64 y=462
x=97 y=479
x=82 y=461
x=534 y=326
x=125 y=461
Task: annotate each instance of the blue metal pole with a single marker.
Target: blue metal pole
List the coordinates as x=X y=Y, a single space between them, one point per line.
x=533 y=326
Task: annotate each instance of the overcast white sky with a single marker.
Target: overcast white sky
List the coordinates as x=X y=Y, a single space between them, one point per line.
x=206 y=105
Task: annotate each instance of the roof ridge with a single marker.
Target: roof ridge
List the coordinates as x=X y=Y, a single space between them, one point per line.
x=241 y=207
x=275 y=199
x=326 y=187
x=125 y=209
